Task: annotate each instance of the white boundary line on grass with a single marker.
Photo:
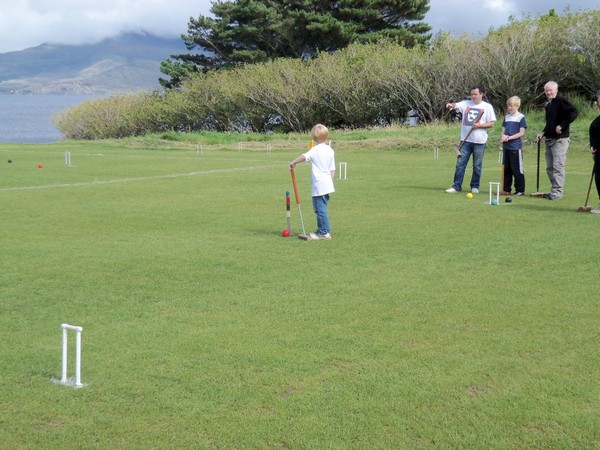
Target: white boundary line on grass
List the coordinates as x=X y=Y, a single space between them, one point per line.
x=128 y=180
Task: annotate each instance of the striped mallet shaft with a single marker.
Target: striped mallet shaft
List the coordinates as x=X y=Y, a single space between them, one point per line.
x=298 y=200
x=288 y=214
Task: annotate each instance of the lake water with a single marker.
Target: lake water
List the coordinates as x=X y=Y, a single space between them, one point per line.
x=28 y=118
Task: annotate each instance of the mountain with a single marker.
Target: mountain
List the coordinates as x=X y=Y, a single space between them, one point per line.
x=127 y=63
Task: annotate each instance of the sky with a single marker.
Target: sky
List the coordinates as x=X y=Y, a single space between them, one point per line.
x=29 y=23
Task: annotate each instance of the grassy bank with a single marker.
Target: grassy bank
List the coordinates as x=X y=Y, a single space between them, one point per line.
x=428 y=321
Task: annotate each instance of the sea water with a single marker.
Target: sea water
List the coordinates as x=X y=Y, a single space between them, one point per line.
x=28 y=118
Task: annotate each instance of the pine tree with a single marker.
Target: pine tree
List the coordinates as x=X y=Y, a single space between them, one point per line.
x=254 y=31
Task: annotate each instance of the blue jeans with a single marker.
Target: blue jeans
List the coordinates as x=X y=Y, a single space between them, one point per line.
x=320 y=208
x=468 y=149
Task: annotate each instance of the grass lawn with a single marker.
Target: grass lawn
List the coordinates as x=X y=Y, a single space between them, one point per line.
x=429 y=321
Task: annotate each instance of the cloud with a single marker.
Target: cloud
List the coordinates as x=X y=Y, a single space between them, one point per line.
x=30 y=23
x=476 y=18
x=499 y=6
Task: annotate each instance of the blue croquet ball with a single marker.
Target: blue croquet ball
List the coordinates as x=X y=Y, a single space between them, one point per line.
x=494 y=202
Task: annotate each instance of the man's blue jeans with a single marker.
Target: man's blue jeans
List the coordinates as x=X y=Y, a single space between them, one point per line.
x=468 y=149
x=320 y=208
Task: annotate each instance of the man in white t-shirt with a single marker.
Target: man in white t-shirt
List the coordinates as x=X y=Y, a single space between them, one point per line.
x=322 y=159
x=477 y=118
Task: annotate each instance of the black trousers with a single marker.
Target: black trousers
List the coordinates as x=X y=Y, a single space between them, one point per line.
x=513 y=168
x=597 y=172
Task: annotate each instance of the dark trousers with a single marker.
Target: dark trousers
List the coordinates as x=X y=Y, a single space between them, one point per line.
x=597 y=172
x=513 y=167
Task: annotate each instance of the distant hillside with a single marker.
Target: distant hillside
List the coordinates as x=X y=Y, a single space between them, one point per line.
x=127 y=63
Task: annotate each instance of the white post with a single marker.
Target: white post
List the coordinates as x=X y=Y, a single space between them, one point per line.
x=78 y=359
x=497 y=186
x=343 y=170
x=65 y=353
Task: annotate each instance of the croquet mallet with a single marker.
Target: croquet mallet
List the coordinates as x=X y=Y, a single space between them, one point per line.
x=501 y=155
x=537 y=192
x=302 y=236
x=587 y=208
x=458 y=149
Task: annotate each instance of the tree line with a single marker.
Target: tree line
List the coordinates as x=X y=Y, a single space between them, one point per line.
x=362 y=85
x=258 y=31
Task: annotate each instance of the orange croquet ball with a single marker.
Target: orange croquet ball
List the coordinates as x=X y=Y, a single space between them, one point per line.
x=40 y=166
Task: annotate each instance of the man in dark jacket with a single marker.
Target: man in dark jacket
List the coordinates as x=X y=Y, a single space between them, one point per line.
x=594 y=147
x=559 y=115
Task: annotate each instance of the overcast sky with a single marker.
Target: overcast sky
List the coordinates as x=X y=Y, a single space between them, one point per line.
x=28 y=23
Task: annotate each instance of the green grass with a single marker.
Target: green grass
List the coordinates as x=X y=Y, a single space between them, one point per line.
x=429 y=321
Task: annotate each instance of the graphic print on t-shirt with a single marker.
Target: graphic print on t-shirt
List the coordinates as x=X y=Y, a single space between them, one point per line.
x=472 y=115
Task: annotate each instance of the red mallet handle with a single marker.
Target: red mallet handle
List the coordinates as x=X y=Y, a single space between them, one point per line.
x=295 y=186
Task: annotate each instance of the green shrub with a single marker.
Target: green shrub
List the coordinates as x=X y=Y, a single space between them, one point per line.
x=362 y=85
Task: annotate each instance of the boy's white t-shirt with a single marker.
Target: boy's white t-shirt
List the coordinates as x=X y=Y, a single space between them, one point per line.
x=322 y=159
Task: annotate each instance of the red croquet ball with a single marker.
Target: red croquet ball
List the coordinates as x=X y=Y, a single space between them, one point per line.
x=285 y=233
x=40 y=166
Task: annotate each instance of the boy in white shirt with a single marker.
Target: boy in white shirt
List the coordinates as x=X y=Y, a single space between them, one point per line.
x=321 y=157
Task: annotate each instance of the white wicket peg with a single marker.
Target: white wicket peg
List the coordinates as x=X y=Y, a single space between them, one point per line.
x=65 y=353
x=494 y=185
x=343 y=171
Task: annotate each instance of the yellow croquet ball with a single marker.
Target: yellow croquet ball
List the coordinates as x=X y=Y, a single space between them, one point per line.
x=469 y=195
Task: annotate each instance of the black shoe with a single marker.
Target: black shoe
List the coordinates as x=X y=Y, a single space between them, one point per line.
x=548 y=196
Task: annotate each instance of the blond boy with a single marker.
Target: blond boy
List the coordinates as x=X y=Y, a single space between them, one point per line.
x=321 y=157
x=513 y=129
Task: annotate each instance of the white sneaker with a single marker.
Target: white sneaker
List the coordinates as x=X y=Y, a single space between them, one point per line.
x=595 y=210
x=313 y=236
x=451 y=191
x=326 y=236
x=474 y=191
